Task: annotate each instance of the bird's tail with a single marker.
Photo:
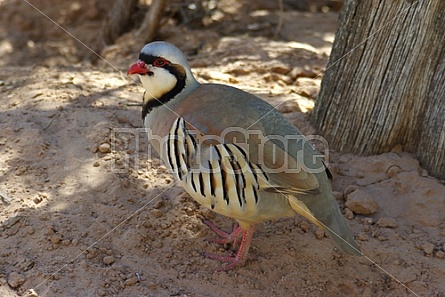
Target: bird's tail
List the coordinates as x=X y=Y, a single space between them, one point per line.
x=322 y=210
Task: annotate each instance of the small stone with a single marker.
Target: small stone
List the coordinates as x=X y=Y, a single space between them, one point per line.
x=280 y=68
x=131 y=281
x=368 y=221
x=387 y=222
x=362 y=236
x=96 y=164
x=37 y=199
x=393 y=171
x=298 y=72
x=349 y=214
x=289 y=106
x=319 y=233
x=152 y=286
x=158 y=204
x=349 y=190
x=382 y=238
x=108 y=260
x=304 y=226
x=440 y=255
x=157 y=213
x=55 y=276
x=104 y=148
x=157 y=244
x=428 y=248
x=16 y=279
x=361 y=203
x=56 y=239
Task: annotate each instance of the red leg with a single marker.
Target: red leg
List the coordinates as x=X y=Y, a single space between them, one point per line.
x=241 y=255
x=225 y=236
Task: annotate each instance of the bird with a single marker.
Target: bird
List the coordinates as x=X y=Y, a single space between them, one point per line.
x=233 y=153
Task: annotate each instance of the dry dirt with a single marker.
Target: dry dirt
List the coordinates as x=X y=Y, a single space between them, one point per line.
x=86 y=210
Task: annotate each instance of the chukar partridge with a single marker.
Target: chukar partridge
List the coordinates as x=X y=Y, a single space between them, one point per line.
x=233 y=153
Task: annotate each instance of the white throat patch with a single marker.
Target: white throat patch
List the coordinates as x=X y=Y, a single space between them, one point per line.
x=158 y=84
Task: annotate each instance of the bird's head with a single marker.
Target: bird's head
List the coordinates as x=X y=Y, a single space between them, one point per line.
x=163 y=70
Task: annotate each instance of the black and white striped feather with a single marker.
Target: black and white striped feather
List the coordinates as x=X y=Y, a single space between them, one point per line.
x=222 y=178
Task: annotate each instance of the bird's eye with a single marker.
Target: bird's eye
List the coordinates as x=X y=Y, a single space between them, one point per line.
x=159 y=62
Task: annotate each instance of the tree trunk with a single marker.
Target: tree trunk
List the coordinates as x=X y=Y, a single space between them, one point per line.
x=150 y=25
x=385 y=81
x=431 y=147
x=118 y=20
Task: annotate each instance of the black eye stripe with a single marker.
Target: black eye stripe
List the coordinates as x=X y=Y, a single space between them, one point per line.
x=150 y=59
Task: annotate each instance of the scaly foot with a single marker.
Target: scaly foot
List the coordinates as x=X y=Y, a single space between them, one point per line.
x=240 y=257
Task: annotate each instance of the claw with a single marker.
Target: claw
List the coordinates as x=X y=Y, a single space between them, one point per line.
x=240 y=257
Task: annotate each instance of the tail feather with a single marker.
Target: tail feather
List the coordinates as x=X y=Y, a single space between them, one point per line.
x=326 y=213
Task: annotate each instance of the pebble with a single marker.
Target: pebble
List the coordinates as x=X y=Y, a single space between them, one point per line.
x=289 y=106
x=428 y=248
x=361 y=203
x=108 y=260
x=304 y=226
x=131 y=281
x=156 y=213
x=104 y=148
x=349 y=214
x=386 y=222
x=393 y=171
x=362 y=236
x=368 y=221
x=152 y=286
x=349 y=190
x=37 y=199
x=319 y=233
x=56 y=238
x=30 y=230
x=16 y=279
x=440 y=255
x=280 y=68
x=298 y=72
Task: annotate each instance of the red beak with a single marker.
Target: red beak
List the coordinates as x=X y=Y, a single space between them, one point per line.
x=138 y=68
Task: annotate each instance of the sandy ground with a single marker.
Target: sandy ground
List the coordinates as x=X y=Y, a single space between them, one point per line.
x=88 y=210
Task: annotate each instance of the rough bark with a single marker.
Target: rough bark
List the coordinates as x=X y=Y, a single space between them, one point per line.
x=150 y=25
x=431 y=147
x=389 y=89
x=118 y=20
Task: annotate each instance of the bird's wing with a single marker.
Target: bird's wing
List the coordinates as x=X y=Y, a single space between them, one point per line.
x=287 y=174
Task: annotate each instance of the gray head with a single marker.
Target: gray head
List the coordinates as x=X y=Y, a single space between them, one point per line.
x=163 y=70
